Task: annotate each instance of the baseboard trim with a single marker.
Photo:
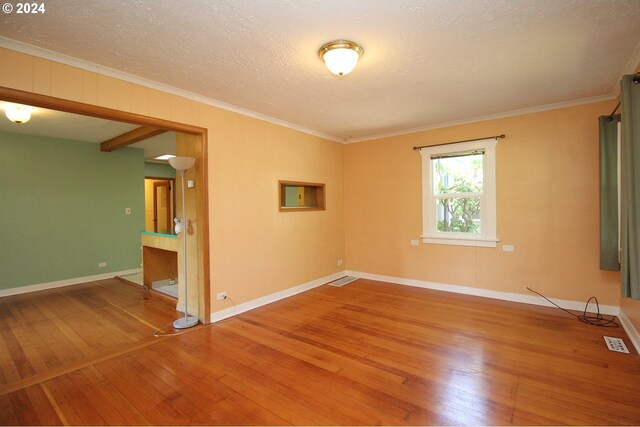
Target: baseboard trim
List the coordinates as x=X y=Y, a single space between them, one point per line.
x=66 y=282
x=630 y=329
x=506 y=296
x=217 y=316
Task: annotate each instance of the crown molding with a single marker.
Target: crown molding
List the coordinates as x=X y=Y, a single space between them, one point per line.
x=512 y=113
x=110 y=72
x=28 y=49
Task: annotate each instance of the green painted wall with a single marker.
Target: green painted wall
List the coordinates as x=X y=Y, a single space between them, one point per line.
x=62 y=209
x=158 y=170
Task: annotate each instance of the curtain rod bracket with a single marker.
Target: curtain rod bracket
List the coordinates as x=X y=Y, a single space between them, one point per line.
x=610 y=116
x=635 y=80
x=496 y=137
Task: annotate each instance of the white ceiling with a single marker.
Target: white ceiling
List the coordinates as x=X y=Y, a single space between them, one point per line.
x=426 y=63
x=57 y=124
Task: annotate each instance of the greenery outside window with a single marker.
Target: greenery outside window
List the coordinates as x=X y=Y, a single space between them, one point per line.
x=458 y=193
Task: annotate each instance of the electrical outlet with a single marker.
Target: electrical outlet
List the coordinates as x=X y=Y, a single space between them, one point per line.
x=102 y=264
x=221 y=295
x=339 y=262
x=127 y=211
x=415 y=242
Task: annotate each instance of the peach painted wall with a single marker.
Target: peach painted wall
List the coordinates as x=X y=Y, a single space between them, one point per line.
x=547 y=182
x=547 y=204
x=255 y=250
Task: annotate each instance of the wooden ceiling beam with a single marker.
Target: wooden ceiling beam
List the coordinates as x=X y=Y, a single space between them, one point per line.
x=52 y=103
x=131 y=137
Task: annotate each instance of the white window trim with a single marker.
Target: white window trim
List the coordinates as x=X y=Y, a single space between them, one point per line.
x=430 y=233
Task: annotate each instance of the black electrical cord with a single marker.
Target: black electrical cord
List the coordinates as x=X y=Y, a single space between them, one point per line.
x=597 y=320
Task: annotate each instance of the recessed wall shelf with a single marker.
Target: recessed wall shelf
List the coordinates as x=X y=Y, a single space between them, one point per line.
x=298 y=196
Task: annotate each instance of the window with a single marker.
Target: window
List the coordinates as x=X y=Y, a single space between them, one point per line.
x=458 y=194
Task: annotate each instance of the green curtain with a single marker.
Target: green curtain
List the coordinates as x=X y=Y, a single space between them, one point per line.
x=609 y=246
x=630 y=218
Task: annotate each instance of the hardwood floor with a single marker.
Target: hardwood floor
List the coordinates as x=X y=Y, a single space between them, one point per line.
x=59 y=329
x=367 y=353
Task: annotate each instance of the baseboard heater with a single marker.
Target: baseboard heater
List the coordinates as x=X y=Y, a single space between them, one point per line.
x=342 y=281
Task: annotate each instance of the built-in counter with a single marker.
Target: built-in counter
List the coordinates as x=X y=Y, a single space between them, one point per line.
x=159 y=257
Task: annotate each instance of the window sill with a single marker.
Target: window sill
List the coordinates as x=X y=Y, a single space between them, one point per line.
x=483 y=242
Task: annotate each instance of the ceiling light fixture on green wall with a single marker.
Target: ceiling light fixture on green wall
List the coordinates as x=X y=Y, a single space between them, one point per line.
x=17 y=113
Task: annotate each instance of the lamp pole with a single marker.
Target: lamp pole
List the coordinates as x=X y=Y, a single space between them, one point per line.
x=181 y=164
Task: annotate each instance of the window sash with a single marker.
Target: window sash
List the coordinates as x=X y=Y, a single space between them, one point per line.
x=487 y=235
x=457 y=195
x=437 y=177
x=457 y=154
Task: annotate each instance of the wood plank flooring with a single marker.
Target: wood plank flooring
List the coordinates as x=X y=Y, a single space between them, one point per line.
x=368 y=353
x=59 y=329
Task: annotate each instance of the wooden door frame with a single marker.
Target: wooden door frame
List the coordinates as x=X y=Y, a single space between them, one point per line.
x=201 y=168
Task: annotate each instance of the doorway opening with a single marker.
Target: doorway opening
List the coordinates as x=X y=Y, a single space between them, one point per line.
x=191 y=141
x=159 y=203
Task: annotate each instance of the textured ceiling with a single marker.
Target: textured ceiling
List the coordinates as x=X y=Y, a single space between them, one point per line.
x=426 y=62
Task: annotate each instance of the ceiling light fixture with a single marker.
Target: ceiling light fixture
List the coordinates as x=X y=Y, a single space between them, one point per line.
x=18 y=114
x=341 y=56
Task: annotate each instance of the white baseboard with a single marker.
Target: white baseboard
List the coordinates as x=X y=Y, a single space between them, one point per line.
x=507 y=296
x=66 y=282
x=630 y=329
x=217 y=316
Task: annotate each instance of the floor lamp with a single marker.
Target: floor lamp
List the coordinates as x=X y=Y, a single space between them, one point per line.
x=181 y=164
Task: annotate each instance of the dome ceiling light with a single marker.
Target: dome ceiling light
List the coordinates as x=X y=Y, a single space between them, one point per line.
x=341 y=56
x=18 y=114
